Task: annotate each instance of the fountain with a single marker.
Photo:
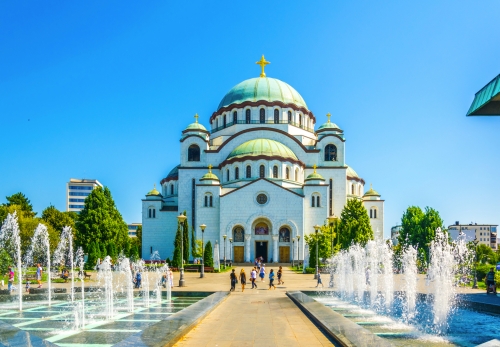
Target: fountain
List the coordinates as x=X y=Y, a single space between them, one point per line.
x=126 y=268
x=64 y=252
x=80 y=311
x=11 y=241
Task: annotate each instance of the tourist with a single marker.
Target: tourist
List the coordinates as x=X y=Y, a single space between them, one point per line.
x=232 y=276
x=490 y=280
x=243 y=279
x=39 y=271
x=65 y=275
x=280 y=274
x=171 y=275
x=253 y=277
x=271 y=279
x=10 y=282
x=164 y=281
x=318 y=275
x=138 y=279
x=262 y=272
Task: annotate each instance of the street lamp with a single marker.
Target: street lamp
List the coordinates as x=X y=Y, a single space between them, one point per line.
x=230 y=252
x=224 y=236
x=202 y=273
x=316 y=229
x=476 y=241
x=298 y=250
x=293 y=251
x=181 y=218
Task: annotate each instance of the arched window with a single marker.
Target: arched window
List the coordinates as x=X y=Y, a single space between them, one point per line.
x=330 y=153
x=211 y=201
x=276 y=116
x=300 y=120
x=296 y=175
x=352 y=189
x=287 y=173
x=247 y=116
x=238 y=234
x=262 y=115
x=359 y=190
x=289 y=116
x=313 y=200
x=194 y=153
x=151 y=212
x=172 y=189
x=249 y=171
x=237 y=173
x=228 y=175
x=275 y=171
x=262 y=171
x=206 y=200
x=235 y=117
x=224 y=123
x=317 y=201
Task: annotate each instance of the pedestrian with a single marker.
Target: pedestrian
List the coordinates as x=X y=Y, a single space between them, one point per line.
x=318 y=275
x=262 y=272
x=243 y=279
x=253 y=277
x=39 y=271
x=138 y=279
x=27 y=286
x=271 y=279
x=171 y=276
x=10 y=282
x=232 y=276
x=280 y=274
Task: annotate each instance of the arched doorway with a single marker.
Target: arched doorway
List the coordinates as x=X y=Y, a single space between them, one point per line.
x=284 y=244
x=238 y=244
x=261 y=233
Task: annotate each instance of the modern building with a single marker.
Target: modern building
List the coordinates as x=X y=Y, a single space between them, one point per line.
x=132 y=229
x=77 y=191
x=395 y=230
x=486 y=234
x=262 y=176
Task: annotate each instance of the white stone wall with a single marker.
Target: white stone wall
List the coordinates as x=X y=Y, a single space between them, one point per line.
x=158 y=233
x=376 y=223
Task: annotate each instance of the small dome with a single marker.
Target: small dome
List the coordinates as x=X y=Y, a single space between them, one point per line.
x=195 y=126
x=153 y=192
x=262 y=88
x=209 y=175
x=260 y=147
x=314 y=176
x=351 y=173
x=371 y=192
x=329 y=125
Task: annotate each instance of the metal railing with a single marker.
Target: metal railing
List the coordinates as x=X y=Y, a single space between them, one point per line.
x=227 y=125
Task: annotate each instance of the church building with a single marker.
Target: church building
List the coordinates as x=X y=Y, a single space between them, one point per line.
x=260 y=179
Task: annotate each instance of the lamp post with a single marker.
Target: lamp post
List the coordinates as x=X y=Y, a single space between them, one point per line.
x=476 y=241
x=224 y=236
x=293 y=251
x=230 y=251
x=181 y=218
x=332 y=222
x=202 y=273
x=298 y=250
x=316 y=229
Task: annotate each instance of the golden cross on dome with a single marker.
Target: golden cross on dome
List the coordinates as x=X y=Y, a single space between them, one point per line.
x=328 y=115
x=314 y=167
x=210 y=168
x=196 y=117
x=262 y=62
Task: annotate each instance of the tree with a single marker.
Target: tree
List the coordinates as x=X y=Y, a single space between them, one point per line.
x=485 y=254
x=325 y=237
x=185 y=239
x=193 y=243
x=198 y=249
x=138 y=239
x=94 y=254
x=101 y=221
x=5 y=261
x=23 y=202
x=354 y=226
x=57 y=219
x=176 y=260
x=208 y=258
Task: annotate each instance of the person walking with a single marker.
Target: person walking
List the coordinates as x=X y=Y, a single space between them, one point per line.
x=280 y=274
x=39 y=271
x=262 y=272
x=243 y=279
x=232 y=276
x=319 y=279
x=10 y=281
x=253 y=277
x=171 y=276
x=271 y=279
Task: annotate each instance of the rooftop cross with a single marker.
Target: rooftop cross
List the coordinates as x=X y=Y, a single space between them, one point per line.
x=196 y=117
x=262 y=62
x=210 y=168
x=314 y=167
x=328 y=115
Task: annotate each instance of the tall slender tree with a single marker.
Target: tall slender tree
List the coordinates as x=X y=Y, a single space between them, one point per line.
x=208 y=258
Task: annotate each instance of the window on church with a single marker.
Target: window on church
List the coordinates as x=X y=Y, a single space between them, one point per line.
x=224 y=123
x=247 y=116
x=330 y=153
x=171 y=189
x=296 y=175
x=227 y=175
x=194 y=153
x=300 y=120
x=289 y=116
x=287 y=173
x=206 y=201
x=237 y=173
x=262 y=171
x=262 y=115
x=152 y=212
x=371 y=213
x=235 y=117
x=275 y=171
x=249 y=171
x=352 y=189
x=211 y=201
x=276 y=116
x=313 y=201
x=317 y=201
x=374 y=213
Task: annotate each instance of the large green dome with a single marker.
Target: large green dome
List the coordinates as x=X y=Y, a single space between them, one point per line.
x=262 y=88
x=259 y=147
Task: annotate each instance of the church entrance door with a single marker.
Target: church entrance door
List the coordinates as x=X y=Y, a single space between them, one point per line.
x=261 y=250
x=284 y=254
x=239 y=252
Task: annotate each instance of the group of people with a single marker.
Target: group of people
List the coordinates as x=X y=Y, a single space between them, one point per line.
x=167 y=279
x=261 y=270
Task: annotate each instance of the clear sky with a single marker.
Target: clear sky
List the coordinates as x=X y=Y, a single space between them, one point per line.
x=103 y=90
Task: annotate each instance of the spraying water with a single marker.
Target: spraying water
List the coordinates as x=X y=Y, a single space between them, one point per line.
x=64 y=254
x=11 y=241
x=409 y=263
x=125 y=267
x=106 y=273
x=81 y=306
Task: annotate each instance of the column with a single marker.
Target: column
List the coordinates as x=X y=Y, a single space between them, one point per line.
x=275 y=249
x=247 y=248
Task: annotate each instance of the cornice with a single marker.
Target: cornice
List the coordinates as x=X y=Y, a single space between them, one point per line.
x=260 y=157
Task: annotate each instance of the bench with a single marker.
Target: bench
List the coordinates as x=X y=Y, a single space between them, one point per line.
x=208 y=269
x=192 y=268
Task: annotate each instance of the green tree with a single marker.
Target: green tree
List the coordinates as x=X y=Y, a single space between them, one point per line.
x=102 y=250
x=326 y=240
x=5 y=261
x=354 y=226
x=176 y=260
x=208 y=258
x=198 y=249
x=101 y=221
x=186 y=239
x=23 y=202
x=193 y=242
x=484 y=254
x=139 y=240
x=94 y=254
x=57 y=219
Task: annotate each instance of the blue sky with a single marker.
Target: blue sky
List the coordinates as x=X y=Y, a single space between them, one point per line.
x=103 y=90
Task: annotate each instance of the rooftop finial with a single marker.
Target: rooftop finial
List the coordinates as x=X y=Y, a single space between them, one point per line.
x=262 y=62
x=371 y=186
x=210 y=168
x=314 y=167
x=196 y=118
x=328 y=115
